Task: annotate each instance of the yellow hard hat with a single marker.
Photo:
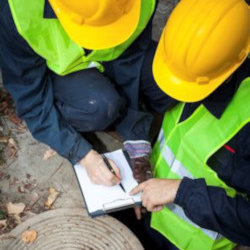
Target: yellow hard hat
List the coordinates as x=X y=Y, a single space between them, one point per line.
x=203 y=43
x=98 y=24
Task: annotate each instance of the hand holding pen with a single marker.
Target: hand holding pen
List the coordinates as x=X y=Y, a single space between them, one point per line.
x=98 y=171
x=112 y=170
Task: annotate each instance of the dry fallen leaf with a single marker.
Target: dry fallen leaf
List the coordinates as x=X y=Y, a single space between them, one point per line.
x=51 y=198
x=17 y=219
x=18 y=122
x=10 y=152
x=20 y=189
x=15 y=208
x=11 y=149
x=48 y=154
x=3 y=224
x=13 y=143
x=15 y=119
x=29 y=236
x=4 y=139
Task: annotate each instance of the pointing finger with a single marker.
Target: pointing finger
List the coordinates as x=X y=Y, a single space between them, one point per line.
x=157 y=208
x=138 y=188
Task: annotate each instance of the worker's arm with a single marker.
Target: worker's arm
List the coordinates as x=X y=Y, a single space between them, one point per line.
x=211 y=208
x=27 y=79
x=208 y=206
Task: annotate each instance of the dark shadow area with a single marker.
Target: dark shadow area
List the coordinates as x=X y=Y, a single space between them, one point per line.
x=149 y=238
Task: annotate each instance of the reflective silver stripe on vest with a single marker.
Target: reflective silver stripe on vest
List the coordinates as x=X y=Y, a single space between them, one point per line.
x=180 y=213
x=177 y=167
x=169 y=157
x=92 y=65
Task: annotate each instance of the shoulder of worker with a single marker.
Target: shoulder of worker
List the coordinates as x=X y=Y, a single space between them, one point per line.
x=8 y=30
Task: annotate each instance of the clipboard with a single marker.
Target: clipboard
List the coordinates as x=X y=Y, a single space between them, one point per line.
x=101 y=199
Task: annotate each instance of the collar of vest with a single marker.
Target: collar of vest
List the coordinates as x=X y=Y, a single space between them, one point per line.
x=48 y=12
x=217 y=102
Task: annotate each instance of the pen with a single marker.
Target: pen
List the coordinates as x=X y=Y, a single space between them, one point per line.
x=111 y=170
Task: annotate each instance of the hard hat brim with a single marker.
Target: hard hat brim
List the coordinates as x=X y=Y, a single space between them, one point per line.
x=100 y=37
x=180 y=89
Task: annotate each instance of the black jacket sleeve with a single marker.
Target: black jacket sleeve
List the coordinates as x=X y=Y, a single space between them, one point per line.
x=27 y=79
x=211 y=208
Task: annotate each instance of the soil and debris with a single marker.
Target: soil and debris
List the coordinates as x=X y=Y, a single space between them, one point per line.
x=13 y=212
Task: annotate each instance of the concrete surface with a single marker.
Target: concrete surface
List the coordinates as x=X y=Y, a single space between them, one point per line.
x=38 y=175
x=163 y=11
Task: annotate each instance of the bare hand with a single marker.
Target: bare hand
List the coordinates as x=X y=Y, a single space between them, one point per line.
x=97 y=170
x=157 y=192
x=140 y=212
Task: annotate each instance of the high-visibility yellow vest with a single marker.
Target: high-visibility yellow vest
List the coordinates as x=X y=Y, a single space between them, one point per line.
x=183 y=149
x=49 y=40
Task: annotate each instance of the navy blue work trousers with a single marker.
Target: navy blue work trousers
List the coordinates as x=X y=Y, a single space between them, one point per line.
x=91 y=101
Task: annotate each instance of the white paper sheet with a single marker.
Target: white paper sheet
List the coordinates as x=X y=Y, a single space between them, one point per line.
x=99 y=197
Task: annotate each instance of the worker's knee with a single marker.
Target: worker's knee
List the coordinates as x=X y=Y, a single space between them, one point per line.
x=95 y=113
x=108 y=108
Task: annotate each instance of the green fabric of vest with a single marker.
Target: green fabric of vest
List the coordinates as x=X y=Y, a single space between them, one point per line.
x=192 y=142
x=49 y=40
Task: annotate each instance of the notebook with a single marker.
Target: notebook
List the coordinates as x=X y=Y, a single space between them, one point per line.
x=101 y=199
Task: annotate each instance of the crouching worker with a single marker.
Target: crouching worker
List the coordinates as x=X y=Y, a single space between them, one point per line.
x=199 y=197
x=78 y=66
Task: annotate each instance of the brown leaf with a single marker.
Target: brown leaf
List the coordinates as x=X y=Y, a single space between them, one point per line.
x=15 y=208
x=17 y=219
x=51 y=198
x=13 y=143
x=3 y=224
x=11 y=149
x=18 y=122
x=15 y=119
x=20 y=189
x=48 y=154
x=4 y=139
x=29 y=236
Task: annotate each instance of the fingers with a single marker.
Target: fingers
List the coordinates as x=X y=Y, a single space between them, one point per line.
x=151 y=206
x=106 y=177
x=138 y=212
x=102 y=178
x=138 y=188
x=102 y=175
x=98 y=171
x=116 y=169
x=157 y=208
